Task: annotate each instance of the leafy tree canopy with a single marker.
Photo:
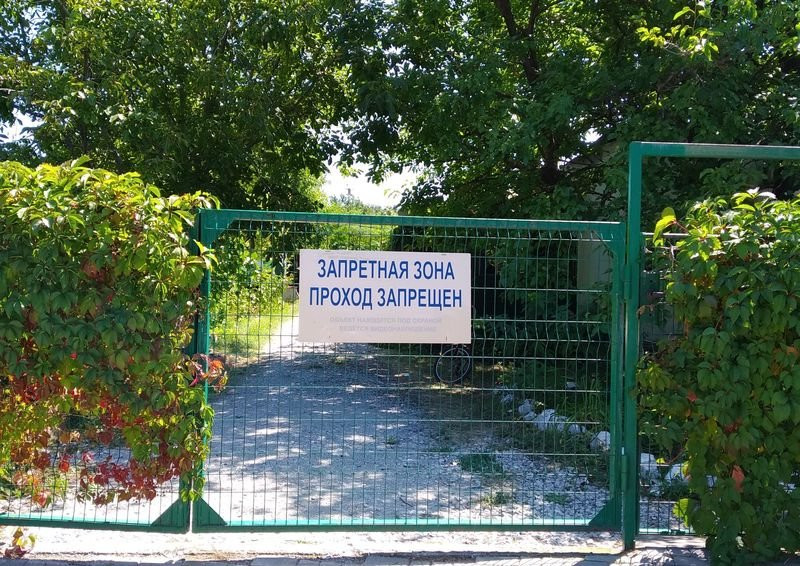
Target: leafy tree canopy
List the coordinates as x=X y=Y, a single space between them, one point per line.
x=228 y=96
x=526 y=107
x=510 y=108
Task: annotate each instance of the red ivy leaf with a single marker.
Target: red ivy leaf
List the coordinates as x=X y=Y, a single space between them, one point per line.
x=738 y=478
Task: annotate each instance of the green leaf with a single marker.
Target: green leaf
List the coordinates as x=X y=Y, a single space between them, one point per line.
x=781 y=413
x=667 y=220
x=681 y=510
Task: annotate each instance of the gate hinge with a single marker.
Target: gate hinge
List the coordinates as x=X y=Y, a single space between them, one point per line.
x=625 y=287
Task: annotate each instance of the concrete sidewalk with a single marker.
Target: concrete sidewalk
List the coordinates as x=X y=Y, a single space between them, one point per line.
x=55 y=547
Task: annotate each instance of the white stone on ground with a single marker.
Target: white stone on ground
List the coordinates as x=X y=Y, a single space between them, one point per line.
x=542 y=420
x=575 y=428
x=601 y=441
x=675 y=474
x=648 y=467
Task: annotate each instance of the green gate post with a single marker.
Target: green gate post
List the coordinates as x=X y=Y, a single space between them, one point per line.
x=630 y=467
x=637 y=152
x=201 y=337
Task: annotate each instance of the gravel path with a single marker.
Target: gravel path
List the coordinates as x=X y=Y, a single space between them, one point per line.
x=329 y=434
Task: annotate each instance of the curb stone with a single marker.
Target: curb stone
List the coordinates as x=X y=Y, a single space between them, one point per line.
x=665 y=557
x=378 y=560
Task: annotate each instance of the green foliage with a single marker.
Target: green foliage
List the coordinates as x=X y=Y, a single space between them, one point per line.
x=247 y=290
x=228 y=96
x=244 y=269
x=346 y=204
x=556 y=498
x=727 y=390
x=99 y=292
x=513 y=108
x=523 y=108
x=497 y=498
x=344 y=236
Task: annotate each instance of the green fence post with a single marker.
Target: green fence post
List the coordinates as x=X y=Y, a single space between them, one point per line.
x=618 y=384
x=203 y=326
x=200 y=338
x=630 y=466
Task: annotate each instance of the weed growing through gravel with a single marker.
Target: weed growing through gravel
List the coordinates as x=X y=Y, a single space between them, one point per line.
x=557 y=498
x=497 y=498
x=485 y=464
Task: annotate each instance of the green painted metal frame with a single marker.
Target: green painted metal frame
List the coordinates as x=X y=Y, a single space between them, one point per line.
x=175 y=519
x=213 y=222
x=399 y=525
x=638 y=151
x=179 y=514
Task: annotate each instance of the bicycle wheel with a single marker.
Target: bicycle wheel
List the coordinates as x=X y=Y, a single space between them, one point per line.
x=453 y=365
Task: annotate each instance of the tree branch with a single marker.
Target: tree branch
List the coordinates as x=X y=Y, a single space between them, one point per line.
x=529 y=61
x=504 y=6
x=533 y=16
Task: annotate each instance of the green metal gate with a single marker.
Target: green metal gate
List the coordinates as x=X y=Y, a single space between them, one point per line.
x=364 y=436
x=653 y=486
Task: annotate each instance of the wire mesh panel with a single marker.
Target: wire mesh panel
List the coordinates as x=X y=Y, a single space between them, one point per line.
x=662 y=474
x=69 y=492
x=517 y=429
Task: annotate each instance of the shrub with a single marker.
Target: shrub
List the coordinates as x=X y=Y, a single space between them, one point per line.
x=727 y=390
x=99 y=292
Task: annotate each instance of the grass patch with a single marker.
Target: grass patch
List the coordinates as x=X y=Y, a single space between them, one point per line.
x=497 y=498
x=557 y=498
x=484 y=464
x=241 y=337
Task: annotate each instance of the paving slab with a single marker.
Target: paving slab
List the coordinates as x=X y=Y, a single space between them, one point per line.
x=378 y=560
x=274 y=561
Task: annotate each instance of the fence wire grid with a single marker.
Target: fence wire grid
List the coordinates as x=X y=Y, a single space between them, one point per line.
x=54 y=498
x=351 y=435
x=662 y=480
